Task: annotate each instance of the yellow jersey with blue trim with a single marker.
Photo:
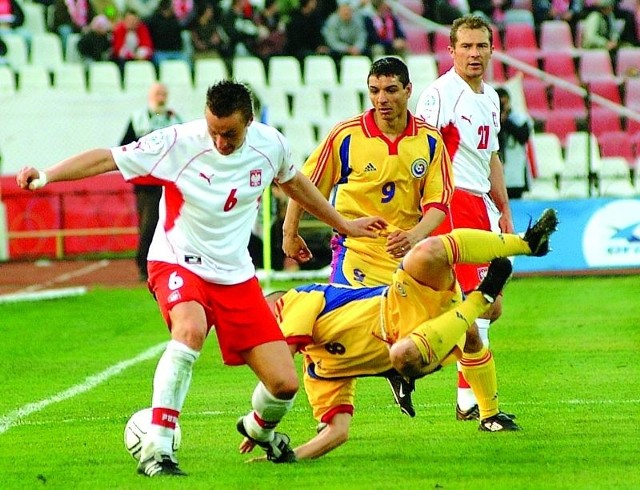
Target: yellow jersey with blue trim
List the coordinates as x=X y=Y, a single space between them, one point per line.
x=364 y=173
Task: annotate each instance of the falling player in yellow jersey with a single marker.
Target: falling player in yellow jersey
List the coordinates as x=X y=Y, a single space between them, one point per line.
x=384 y=162
x=416 y=325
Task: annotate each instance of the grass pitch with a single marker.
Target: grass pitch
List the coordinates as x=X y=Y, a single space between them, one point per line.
x=73 y=370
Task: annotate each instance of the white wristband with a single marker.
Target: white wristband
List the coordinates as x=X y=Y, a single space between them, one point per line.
x=41 y=181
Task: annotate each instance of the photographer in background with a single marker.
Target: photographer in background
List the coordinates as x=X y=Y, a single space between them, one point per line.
x=515 y=129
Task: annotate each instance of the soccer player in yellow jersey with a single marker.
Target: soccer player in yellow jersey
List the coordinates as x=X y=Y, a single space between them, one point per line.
x=416 y=325
x=384 y=162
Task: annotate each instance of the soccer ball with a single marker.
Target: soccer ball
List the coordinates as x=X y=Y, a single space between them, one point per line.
x=136 y=430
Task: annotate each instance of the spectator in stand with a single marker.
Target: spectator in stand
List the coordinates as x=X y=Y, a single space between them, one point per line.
x=12 y=19
x=144 y=8
x=344 y=32
x=272 y=36
x=603 y=21
x=304 y=31
x=515 y=129
x=131 y=40
x=492 y=10
x=95 y=42
x=238 y=24
x=186 y=11
x=385 y=34
x=166 y=35
x=567 y=10
x=599 y=30
x=71 y=16
x=207 y=37
x=444 y=11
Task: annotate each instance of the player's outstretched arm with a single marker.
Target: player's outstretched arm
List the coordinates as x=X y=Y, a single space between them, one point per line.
x=334 y=434
x=293 y=245
x=86 y=164
x=301 y=189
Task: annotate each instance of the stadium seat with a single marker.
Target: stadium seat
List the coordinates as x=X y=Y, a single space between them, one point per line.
x=309 y=104
x=71 y=53
x=416 y=6
x=46 y=50
x=628 y=62
x=104 y=78
x=614 y=178
x=249 y=69
x=301 y=137
x=595 y=63
x=445 y=62
x=417 y=41
x=561 y=65
x=70 y=77
x=320 y=71
x=632 y=92
x=606 y=87
x=422 y=70
x=354 y=71
x=495 y=71
x=536 y=96
x=7 y=81
x=33 y=79
x=344 y=102
x=518 y=16
x=275 y=105
x=285 y=72
x=604 y=120
x=560 y=124
x=176 y=75
x=520 y=37
x=34 y=17
x=556 y=36
x=578 y=164
x=17 y=50
x=138 y=76
x=617 y=144
x=549 y=164
x=568 y=102
x=207 y=71
x=529 y=57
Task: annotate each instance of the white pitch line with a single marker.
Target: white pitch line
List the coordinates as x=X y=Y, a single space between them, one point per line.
x=13 y=418
x=83 y=271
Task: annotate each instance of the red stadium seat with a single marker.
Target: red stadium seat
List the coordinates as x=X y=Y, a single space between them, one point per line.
x=520 y=37
x=568 y=102
x=536 y=97
x=595 y=63
x=617 y=144
x=417 y=40
x=607 y=88
x=561 y=124
x=556 y=36
x=561 y=65
x=604 y=120
x=628 y=62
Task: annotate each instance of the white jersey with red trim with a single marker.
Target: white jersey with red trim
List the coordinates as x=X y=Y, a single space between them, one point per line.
x=469 y=123
x=210 y=201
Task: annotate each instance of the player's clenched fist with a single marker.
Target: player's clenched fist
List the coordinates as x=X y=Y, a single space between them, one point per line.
x=31 y=178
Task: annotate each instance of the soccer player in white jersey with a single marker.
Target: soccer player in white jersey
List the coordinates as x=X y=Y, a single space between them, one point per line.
x=214 y=171
x=467 y=112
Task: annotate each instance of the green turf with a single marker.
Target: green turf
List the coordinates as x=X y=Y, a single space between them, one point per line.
x=566 y=354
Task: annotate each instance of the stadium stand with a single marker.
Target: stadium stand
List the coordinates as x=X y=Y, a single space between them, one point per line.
x=46 y=51
x=70 y=77
x=17 y=50
x=614 y=178
x=104 y=78
x=138 y=75
x=556 y=36
x=7 y=82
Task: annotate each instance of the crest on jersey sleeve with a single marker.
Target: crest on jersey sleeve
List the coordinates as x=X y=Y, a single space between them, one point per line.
x=419 y=168
x=151 y=143
x=255 y=177
x=429 y=104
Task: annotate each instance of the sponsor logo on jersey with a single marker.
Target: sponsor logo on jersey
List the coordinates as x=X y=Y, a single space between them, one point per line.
x=465 y=118
x=173 y=297
x=612 y=235
x=370 y=167
x=255 y=178
x=208 y=179
x=419 y=168
x=193 y=259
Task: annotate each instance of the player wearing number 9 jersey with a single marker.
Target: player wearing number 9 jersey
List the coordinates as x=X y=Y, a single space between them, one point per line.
x=384 y=162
